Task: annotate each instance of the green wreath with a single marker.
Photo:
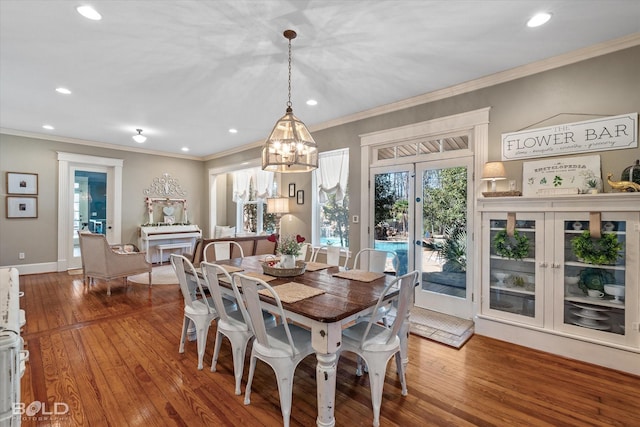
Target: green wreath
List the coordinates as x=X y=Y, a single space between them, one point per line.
x=602 y=251
x=516 y=247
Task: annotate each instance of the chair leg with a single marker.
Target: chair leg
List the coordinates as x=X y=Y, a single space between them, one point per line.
x=185 y=325
x=149 y=279
x=400 y=367
x=247 y=390
x=216 y=351
x=285 y=389
x=376 y=382
x=201 y=342
x=239 y=350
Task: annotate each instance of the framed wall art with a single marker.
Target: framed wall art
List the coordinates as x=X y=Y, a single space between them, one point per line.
x=22 y=183
x=300 y=197
x=22 y=207
x=292 y=190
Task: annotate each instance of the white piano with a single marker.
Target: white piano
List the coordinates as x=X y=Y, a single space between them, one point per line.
x=159 y=241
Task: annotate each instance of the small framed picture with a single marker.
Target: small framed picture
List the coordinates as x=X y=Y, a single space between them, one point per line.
x=292 y=190
x=22 y=207
x=22 y=183
x=300 y=197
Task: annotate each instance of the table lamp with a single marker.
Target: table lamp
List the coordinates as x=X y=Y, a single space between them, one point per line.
x=493 y=171
x=278 y=206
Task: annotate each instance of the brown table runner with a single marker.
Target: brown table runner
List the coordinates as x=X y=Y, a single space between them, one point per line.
x=291 y=292
x=315 y=266
x=359 y=275
x=231 y=268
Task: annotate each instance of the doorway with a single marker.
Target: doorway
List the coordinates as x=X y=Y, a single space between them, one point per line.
x=89 y=198
x=425 y=174
x=421 y=212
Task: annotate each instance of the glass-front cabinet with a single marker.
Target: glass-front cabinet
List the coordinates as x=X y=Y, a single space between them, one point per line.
x=568 y=267
x=598 y=276
x=515 y=280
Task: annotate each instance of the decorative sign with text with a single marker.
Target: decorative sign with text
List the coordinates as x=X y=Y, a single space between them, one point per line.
x=569 y=175
x=607 y=133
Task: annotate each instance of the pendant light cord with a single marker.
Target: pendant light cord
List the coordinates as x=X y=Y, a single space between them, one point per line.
x=289 y=102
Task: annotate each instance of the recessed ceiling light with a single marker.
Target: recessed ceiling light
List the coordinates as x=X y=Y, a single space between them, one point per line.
x=48 y=127
x=312 y=102
x=539 y=19
x=63 y=90
x=89 y=13
x=232 y=130
x=185 y=149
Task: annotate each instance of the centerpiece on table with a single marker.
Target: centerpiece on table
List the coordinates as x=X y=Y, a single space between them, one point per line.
x=288 y=247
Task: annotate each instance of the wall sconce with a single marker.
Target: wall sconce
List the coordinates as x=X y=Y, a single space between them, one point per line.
x=493 y=171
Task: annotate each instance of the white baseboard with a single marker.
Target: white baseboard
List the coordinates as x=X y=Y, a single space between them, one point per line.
x=45 y=267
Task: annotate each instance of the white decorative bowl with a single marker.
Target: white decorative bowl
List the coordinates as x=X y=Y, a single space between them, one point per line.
x=616 y=290
x=500 y=276
x=571 y=280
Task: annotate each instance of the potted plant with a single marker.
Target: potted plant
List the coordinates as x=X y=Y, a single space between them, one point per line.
x=602 y=251
x=288 y=248
x=592 y=185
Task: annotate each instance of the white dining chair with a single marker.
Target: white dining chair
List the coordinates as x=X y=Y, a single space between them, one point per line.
x=305 y=250
x=282 y=347
x=334 y=254
x=376 y=344
x=375 y=260
x=200 y=312
x=231 y=324
x=222 y=250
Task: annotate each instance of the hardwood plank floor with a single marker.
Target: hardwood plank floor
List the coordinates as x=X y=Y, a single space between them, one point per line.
x=115 y=362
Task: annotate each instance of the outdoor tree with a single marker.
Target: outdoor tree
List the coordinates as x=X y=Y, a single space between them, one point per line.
x=445 y=199
x=336 y=215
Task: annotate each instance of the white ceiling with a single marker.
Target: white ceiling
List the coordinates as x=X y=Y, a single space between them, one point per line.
x=187 y=71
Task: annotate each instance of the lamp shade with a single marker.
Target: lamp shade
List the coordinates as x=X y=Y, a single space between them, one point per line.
x=290 y=147
x=278 y=205
x=493 y=171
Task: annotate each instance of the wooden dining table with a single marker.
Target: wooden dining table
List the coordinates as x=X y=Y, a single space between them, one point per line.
x=342 y=302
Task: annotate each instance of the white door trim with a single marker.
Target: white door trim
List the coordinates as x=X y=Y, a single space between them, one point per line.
x=67 y=161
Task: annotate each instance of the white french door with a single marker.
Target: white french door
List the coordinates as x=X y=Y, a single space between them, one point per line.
x=444 y=227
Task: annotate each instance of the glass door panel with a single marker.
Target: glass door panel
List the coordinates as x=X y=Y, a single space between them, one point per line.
x=515 y=282
x=89 y=207
x=392 y=214
x=443 y=230
x=593 y=288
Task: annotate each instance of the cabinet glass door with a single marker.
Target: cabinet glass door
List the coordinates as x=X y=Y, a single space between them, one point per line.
x=513 y=286
x=594 y=283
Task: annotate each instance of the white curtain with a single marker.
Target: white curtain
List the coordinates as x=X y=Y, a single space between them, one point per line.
x=332 y=174
x=241 y=180
x=264 y=183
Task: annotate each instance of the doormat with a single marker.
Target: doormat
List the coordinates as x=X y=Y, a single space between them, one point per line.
x=442 y=328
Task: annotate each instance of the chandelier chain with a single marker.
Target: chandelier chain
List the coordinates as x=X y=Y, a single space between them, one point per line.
x=289 y=101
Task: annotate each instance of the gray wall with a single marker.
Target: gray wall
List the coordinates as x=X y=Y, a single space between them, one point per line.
x=38 y=238
x=602 y=86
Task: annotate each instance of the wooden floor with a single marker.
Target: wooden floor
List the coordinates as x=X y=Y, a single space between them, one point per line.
x=114 y=361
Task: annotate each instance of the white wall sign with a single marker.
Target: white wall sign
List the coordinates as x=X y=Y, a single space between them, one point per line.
x=569 y=175
x=607 y=133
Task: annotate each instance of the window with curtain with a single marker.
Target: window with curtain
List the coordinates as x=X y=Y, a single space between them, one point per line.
x=251 y=187
x=331 y=218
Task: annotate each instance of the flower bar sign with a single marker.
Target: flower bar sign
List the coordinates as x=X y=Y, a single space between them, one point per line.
x=603 y=134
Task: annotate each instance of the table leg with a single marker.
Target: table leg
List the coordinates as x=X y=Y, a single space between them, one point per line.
x=326 y=388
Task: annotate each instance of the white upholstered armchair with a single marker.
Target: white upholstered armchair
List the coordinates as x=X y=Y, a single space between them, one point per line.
x=101 y=261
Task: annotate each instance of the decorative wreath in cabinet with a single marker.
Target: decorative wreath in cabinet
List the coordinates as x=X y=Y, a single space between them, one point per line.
x=512 y=247
x=602 y=251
